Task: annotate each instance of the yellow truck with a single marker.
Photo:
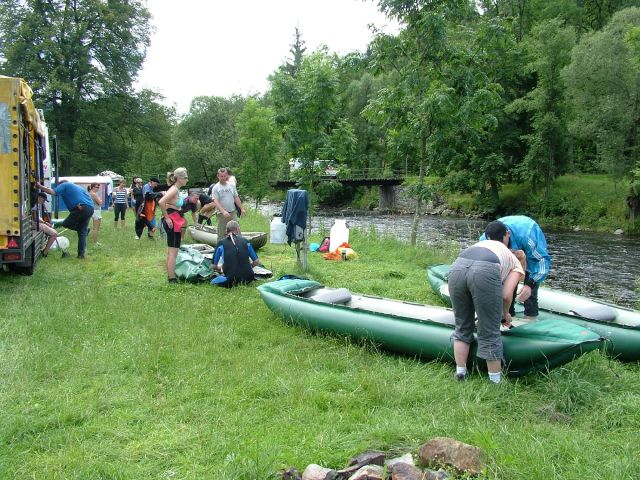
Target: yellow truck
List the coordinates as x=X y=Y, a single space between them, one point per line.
x=24 y=160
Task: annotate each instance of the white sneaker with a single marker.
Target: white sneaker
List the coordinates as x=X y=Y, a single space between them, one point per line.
x=137 y=237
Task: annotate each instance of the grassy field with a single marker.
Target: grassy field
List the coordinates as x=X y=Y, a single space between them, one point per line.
x=108 y=372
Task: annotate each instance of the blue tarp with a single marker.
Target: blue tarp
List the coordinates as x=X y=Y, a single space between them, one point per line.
x=294 y=214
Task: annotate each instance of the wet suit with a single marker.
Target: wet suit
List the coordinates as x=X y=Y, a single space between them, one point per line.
x=237 y=254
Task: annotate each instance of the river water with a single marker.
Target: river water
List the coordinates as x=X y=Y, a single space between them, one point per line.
x=598 y=265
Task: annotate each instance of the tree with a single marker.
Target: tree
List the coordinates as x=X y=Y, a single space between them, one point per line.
x=603 y=81
x=435 y=97
x=306 y=109
x=124 y=133
x=371 y=151
x=207 y=138
x=550 y=47
x=292 y=67
x=73 y=52
x=259 y=142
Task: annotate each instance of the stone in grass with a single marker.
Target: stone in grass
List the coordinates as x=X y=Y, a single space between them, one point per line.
x=368 y=472
x=369 y=457
x=405 y=471
x=441 y=450
x=406 y=458
x=316 y=472
x=291 y=473
x=359 y=461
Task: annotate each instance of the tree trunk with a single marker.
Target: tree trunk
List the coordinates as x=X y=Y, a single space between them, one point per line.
x=549 y=173
x=418 y=212
x=633 y=202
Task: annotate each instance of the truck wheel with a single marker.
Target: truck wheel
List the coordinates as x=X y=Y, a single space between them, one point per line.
x=28 y=267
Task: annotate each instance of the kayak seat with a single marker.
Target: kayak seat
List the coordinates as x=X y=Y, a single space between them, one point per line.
x=603 y=313
x=337 y=296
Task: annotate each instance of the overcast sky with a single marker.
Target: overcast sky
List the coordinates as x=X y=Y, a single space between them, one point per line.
x=225 y=47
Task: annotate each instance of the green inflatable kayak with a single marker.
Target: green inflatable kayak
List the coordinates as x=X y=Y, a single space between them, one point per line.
x=620 y=327
x=419 y=330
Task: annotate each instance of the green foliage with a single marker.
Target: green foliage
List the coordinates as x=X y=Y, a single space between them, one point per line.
x=72 y=54
x=370 y=151
x=124 y=133
x=550 y=45
x=259 y=143
x=207 y=137
x=306 y=109
x=603 y=80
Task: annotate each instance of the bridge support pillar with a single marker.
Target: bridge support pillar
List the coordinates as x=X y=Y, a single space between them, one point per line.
x=387 y=197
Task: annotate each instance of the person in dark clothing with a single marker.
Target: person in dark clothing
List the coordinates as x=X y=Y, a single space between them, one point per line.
x=238 y=258
x=136 y=194
x=146 y=211
x=191 y=203
x=207 y=209
x=201 y=203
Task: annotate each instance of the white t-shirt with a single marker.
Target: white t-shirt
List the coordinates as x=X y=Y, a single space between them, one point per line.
x=226 y=195
x=508 y=261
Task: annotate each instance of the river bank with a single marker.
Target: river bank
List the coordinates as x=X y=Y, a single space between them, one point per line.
x=585 y=202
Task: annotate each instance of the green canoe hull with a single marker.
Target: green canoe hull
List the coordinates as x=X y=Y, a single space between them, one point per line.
x=622 y=335
x=530 y=348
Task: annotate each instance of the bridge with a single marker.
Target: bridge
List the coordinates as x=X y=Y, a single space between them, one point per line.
x=365 y=177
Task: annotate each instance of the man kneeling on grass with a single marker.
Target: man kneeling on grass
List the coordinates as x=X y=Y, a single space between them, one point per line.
x=238 y=257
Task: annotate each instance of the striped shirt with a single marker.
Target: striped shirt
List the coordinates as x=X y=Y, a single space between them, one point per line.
x=508 y=261
x=121 y=195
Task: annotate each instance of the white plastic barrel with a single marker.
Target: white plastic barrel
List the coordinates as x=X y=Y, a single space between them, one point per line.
x=339 y=234
x=278 y=230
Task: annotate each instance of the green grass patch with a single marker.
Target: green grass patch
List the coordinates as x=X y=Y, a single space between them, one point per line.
x=108 y=372
x=589 y=201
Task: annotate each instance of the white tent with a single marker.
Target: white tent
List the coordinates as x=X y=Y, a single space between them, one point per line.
x=84 y=182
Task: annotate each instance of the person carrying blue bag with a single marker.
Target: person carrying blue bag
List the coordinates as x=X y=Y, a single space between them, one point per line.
x=523 y=233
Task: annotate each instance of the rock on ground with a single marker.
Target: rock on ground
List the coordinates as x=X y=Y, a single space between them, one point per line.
x=465 y=458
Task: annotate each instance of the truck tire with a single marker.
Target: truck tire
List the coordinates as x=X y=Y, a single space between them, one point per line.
x=28 y=267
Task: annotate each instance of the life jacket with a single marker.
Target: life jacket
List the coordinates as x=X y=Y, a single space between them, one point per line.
x=149 y=209
x=237 y=266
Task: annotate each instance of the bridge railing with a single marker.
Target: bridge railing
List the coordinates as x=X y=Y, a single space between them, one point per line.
x=354 y=174
x=369 y=173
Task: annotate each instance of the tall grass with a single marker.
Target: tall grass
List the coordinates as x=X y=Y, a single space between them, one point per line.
x=108 y=372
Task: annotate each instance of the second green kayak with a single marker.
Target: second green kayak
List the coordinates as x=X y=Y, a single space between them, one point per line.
x=619 y=326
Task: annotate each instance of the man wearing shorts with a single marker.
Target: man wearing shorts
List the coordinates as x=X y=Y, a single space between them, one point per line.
x=481 y=283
